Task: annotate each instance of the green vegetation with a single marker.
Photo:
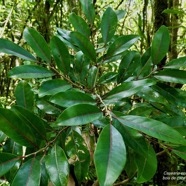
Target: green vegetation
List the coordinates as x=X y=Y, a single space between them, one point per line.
x=92 y=105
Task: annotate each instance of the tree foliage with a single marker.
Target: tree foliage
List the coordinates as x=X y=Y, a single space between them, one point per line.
x=90 y=107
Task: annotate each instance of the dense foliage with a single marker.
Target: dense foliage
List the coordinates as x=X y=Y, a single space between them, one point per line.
x=89 y=107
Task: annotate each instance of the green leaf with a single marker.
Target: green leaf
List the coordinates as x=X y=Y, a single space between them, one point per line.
x=180 y=151
x=172 y=75
x=11 y=48
x=152 y=128
x=108 y=77
x=33 y=121
x=29 y=174
x=70 y=98
x=78 y=115
x=110 y=156
x=160 y=44
x=92 y=77
x=129 y=66
x=79 y=24
x=108 y=24
x=120 y=45
x=127 y=89
x=88 y=9
x=176 y=63
x=61 y=54
x=7 y=161
x=146 y=165
x=30 y=71
x=24 y=95
x=53 y=86
x=84 y=45
x=16 y=129
x=37 y=43
x=57 y=166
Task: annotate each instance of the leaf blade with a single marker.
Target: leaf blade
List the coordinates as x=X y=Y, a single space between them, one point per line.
x=160 y=44
x=111 y=152
x=11 y=48
x=37 y=43
x=78 y=115
x=30 y=71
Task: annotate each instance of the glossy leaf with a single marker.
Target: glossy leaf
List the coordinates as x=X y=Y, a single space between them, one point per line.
x=33 y=121
x=29 y=174
x=16 y=129
x=84 y=45
x=172 y=75
x=108 y=24
x=88 y=9
x=160 y=44
x=127 y=89
x=61 y=54
x=24 y=95
x=53 y=86
x=78 y=115
x=129 y=66
x=37 y=43
x=120 y=45
x=11 y=48
x=30 y=71
x=146 y=165
x=7 y=161
x=57 y=166
x=152 y=128
x=108 y=77
x=110 y=156
x=92 y=77
x=79 y=24
x=47 y=107
x=70 y=98
x=176 y=63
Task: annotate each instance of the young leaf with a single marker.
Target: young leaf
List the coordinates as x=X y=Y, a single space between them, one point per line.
x=30 y=71
x=37 y=43
x=110 y=156
x=172 y=75
x=11 y=48
x=24 y=95
x=29 y=174
x=61 y=54
x=108 y=24
x=79 y=24
x=57 y=166
x=160 y=44
x=53 y=86
x=127 y=89
x=120 y=45
x=70 y=98
x=88 y=9
x=78 y=115
x=16 y=129
x=84 y=45
x=152 y=128
x=7 y=161
x=146 y=165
